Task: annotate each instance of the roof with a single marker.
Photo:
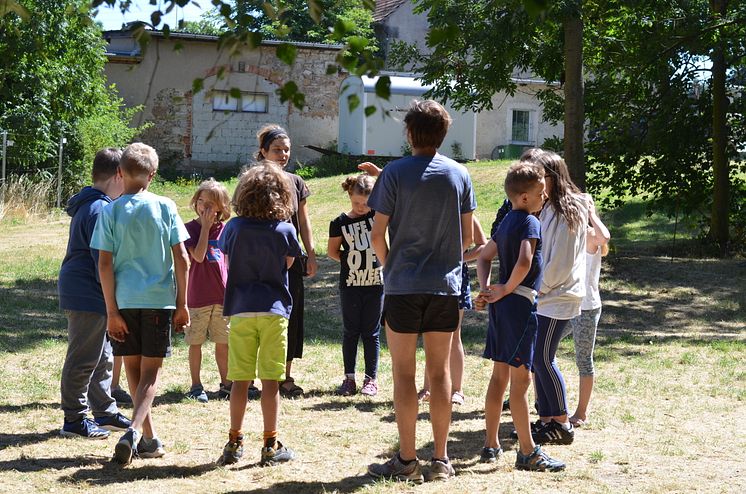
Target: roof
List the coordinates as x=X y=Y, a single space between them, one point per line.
x=384 y=8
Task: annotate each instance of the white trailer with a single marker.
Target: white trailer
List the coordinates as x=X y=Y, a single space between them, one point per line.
x=382 y=133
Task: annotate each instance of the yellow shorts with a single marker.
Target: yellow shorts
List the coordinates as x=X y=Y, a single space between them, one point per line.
x=206 y=321
x=257 y=342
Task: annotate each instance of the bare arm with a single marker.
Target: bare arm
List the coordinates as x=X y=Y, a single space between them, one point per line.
x=181 y=272
x=484 y=270
x=378 y=237
x=520 y=270
x=602 y=235
x=369 y=168
x=334 y=248
x=115 y=325
x=306 y=235
x=467 y=230
x=479 y=241
x=206 y=220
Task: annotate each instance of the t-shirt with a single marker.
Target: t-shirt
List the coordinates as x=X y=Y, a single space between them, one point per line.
x=516 y=227
x=139 y=230
x=424 y=197
x=299 y=193
x=257 y=268
x=207 y=278
x=358 y=263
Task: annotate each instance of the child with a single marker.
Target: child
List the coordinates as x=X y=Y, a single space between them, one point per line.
x=511 y=335
x=360 y=284
x=207 y=277
x=87 y=373
x=141 y=242
x=261 y=245
x=584 y=326
x=425 y=201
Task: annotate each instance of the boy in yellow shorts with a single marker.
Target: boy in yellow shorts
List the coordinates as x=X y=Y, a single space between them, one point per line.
x=260 y=246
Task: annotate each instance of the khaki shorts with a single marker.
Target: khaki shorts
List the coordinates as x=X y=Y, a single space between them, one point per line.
x=207 y=321
x=257 y=342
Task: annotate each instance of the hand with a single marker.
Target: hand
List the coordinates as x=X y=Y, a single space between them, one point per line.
x=116 y=328
x=207 y=217
x=311 y=266
x=480 y=303
x=369 y=168
x=492 y=293
x=181 y=319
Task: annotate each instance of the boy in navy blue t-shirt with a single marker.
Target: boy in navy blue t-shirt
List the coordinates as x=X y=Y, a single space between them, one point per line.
x=511 y=335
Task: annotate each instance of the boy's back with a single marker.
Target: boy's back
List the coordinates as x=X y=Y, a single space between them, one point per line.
x=517 y=226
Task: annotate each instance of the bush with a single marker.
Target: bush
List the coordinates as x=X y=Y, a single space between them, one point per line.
x=337 y=164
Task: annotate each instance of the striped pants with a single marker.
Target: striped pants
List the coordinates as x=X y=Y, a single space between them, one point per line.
x=551 y=393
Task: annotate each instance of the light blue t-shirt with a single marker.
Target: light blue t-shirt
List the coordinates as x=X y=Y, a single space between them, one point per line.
x=139 y=230
x=424 y=198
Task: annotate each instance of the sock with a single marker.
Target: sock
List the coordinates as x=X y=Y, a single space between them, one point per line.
x=405 y=462
x=235 y=435
x=270 y=439
x=350 y=376
x=442 y=460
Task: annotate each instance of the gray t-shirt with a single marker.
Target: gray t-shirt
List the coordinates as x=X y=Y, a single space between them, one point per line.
x=424 y=197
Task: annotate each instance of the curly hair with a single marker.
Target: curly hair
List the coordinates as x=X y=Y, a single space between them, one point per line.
x=361 y=184
x=564 y=195
x=219 y=195
x=263 y=193
x=266 y=136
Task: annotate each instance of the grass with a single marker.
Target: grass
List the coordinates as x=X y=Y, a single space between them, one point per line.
x=665 y=416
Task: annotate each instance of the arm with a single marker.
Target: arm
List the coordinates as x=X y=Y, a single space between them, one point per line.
x=479 y=241
x=306 y=235
x=467 y=230
x=206 y=220
x=520 y=270
x=369 y=168
x=378 y=237
x=484 y=270
x=115 y=325
x=334 y=248
x=602 y=235
x=181 y=272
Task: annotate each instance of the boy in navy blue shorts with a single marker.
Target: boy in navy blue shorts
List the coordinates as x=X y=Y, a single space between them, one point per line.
x=511 y=336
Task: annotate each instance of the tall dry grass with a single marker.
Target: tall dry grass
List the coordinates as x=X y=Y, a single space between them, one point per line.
x=23 y=197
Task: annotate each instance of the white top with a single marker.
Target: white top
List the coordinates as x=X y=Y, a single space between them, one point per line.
x=592 y=299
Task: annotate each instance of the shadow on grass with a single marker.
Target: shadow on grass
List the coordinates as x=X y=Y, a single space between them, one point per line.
x=29 y=314
x=360 y=406
x=345 y=485
x=113 y=473
x=30 y=464
x=26 y=438
x=28 y=406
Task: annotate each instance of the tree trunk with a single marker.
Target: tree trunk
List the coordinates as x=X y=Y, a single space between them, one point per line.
x=574 y=106
x=720 y=191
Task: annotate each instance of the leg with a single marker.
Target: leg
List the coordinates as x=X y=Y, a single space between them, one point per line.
x=221 y=359
x=437 y=351
x=493 y=403
x=270 y=402
x=116 y=372
x=371 y=330
x=457 y=357
x=520 y=379
x=352 y=307
x=295 y=325
x=584 y=334
x=195 y=364
x=239 y=398
x=550 y=384
x=147 y=385
x=402 y=347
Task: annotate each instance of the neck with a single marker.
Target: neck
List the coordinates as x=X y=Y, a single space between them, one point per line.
x=425 y=151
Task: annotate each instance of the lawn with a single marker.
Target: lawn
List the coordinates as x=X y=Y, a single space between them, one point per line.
x=665 y=416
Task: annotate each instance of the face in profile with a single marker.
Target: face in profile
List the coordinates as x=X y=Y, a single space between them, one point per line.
x=279 y=151
x=536 y=196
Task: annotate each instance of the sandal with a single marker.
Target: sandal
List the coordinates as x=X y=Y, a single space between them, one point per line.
x=254 y=392
x=289 y=389
x=423 y=396
x=457 y=398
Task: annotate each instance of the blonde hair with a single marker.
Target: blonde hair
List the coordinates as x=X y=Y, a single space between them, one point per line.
x=263 y=193
x=138 y=160
x=361 y=184
x=218 y=193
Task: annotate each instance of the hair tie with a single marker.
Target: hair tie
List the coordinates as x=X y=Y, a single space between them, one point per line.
x=270 y=136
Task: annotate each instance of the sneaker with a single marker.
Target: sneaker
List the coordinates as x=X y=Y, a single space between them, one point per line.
x=197 y=393
x=506 y=405
x=537 y=461
x=153 y=448
x=232 y=452
x=535 y=426
x=347 y=388
x=83 y=428
x=457 y=398
x=439 y=470
x=116 y=422
x=423 y=396
x=490 y=455
x=125 y=448
x=278 y=454
x=254 y=392
x=370 y=388
x=396 y=470
x=224 y=393
x=554 y=433
x=121 y=396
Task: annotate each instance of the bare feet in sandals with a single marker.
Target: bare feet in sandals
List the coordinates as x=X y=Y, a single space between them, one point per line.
x=289 y=389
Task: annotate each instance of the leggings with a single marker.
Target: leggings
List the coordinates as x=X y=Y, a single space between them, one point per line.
x=583 y=330
x=551 y=393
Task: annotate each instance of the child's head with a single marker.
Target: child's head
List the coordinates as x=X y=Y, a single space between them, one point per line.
x=531 y=155
x=524 y=185
x=427 y=123
x=212 y=194
x=105 y=164
x=359 y=188
x=562 y=193
x=139 y=162
x=263 y=193
x=274 y=144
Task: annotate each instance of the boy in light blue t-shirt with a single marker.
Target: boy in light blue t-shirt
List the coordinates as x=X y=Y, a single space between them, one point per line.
x=140 y=239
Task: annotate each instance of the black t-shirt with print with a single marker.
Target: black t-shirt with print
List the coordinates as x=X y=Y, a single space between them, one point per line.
x=359 y=265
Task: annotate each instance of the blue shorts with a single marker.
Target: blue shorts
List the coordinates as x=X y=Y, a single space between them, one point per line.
x=464 y=298
x=512 y=330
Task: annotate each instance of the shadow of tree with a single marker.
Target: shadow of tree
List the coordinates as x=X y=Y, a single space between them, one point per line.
x=345 y=485
x=113 y=473
x=23 y=439
x=29 y=313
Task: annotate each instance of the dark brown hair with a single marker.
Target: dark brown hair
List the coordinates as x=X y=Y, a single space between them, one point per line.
x=564 y=195
x=263 y=193
x=522 y=175
x=139 y=159
x=361 y=184
x=218 y=193
x=267 y=135
x=105 y=164
x=531 y=155
x=427 y=123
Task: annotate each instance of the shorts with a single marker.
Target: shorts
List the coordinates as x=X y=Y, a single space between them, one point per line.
x=149 y=333
x=206 y=321
x=257 y=342
x=512 y=331
x=464 y=298
x=421 y=312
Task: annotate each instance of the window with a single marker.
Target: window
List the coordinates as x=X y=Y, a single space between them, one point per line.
x=254 y=102
x=521 y=128
x=248 y=102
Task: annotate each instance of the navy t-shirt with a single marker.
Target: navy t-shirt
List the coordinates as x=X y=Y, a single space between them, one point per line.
x=515 y=228
x=358 y=263
x=257 y=268
x=424 y=197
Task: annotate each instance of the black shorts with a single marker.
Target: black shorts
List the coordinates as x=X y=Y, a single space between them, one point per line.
x=421 y=312
x=149 y=333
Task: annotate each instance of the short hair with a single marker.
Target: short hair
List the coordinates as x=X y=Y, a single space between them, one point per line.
x=361 y=184
x=522 y=175
x=139 y=159
x=427 y=123
x=218 y=193
x=267 y=135
x=105 y=164
x=263 y=193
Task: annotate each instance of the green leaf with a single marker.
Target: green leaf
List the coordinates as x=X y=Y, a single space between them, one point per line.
x=166 y=31
x=314 y=10
x=7 y=6
x=383 y=87
x=155 y=18
x=235 y=93
x=353 y=101
x=370 y=110
x=197 y=85
x=287 y=53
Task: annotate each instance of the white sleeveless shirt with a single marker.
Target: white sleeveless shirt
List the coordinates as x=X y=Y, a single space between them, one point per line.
x=592 y=299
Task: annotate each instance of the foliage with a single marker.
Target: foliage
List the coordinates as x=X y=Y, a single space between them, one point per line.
x=336 y=164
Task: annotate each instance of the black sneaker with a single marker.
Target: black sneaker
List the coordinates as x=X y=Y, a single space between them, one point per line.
x=537 y=461
x=506 y=405
x=535 y=426
x=277 y=454
x=554 y=433
x=126 y=447
x=224 y=393
x=232 y=452
x=490 y=455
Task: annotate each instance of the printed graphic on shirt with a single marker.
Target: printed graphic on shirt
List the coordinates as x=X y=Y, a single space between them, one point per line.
x=359 y=265
x=213 y=252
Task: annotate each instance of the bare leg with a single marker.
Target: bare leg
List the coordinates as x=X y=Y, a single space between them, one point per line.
x=402 y=347
x=586 y=388
x=493 y=403
x=270 y=404
x=239 y=397
x=143 y=374
x=520 y=379
x=116 y=372
x=288 y=365
x=437 y=351
x=195 y=363
x=457 y=357
x=221 y=358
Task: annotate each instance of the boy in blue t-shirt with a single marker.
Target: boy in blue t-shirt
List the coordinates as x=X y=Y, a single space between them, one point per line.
x=260 y=246
x=140 y=238
x=511 y=335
